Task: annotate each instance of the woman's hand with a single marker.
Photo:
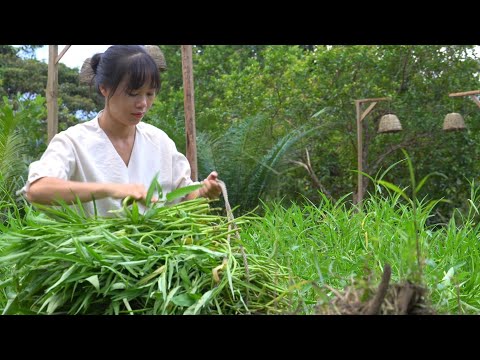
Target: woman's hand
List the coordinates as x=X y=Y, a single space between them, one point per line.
x=211 y=188
x=135 y=191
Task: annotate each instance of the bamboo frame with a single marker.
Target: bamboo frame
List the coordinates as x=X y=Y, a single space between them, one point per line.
x=52 y=89
x=470 y=94
x=189 y=105
x=52 y=92
x=360 y=158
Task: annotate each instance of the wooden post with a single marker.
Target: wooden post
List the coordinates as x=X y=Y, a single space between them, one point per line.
x=359 y=154
x=59 y=57
x=52 y=92
x=189 y=105
x=361 y=161
x=471 y=94
x=465 y=93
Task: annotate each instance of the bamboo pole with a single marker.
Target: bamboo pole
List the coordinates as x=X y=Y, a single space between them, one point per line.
x=59 y=57
x=189 y=104
x=465 y=93
x=52 y=92
x=52 y=89
x=361 y=150
x=359 y=198
x=470 y=94
x=475 y=100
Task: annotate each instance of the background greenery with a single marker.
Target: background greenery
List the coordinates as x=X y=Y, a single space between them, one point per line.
x=256 y=103
x=293 y=87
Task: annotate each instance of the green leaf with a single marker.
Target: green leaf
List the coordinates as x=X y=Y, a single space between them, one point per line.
x=205 y=250
x=412 y=174
x=147 y=278
x=127 y=305
x=54 y=302
x=94 y=281
x=5 y=259
x=64 y=276
x=11 y=306
x=318 y=113
x=394 y=188
x=183 y=300
x=118 y=286
x=162 y=285
x=230 y=280
x=184 y=276
x=169 y=297
x=154 y=185
x=135 y=212
x=422 y=182
x=181 y=192
x=195 y=308
x=390 y=168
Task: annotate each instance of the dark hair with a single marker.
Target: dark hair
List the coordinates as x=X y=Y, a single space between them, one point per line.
x=120 y=61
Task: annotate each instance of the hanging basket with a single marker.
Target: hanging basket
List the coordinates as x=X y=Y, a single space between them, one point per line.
x=86 y=72
x=389 y=124
x=158 y=56
x=453 y=122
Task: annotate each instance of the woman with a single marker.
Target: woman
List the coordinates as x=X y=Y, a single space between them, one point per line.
x=114 y=155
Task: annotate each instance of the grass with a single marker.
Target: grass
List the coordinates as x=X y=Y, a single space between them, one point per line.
x=321 y=246
x=171 y=260
x=330 y=243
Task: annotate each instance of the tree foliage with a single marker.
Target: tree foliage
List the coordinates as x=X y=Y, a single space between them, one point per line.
x=257 y=96
x=293 y=86
x=28 y=76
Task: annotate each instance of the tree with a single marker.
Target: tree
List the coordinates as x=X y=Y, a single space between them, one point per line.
x=29 y=77
x=290 y=87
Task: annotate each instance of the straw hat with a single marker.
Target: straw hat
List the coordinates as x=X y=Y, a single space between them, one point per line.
x=87 y=74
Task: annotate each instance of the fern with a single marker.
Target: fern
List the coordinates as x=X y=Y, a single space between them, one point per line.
x=248 y=154
x=11 y=150
x=206 y=158
x=262 y=173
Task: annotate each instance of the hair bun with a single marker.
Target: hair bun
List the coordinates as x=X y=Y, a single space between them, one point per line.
x=87 y=73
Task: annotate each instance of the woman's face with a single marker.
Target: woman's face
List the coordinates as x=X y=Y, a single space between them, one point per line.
x=129 y=108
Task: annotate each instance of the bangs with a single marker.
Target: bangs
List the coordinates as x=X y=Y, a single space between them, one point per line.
x=142 y=70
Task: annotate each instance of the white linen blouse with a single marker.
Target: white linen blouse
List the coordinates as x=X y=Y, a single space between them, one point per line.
x=84 y=153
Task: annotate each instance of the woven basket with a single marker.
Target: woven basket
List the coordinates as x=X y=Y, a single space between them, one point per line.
x=453 y=122
x=158 y=56
x=389 y=124
x=86 y=72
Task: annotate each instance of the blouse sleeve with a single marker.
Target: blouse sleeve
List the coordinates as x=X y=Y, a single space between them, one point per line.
x=181 y=171
x=57 y=161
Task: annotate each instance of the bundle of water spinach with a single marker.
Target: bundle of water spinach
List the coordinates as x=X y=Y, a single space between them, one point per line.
x=171 y=259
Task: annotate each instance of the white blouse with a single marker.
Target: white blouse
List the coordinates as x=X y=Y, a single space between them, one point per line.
x=85 y=153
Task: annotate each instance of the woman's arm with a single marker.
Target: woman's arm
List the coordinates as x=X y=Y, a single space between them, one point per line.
x=48 y=189
x=211 y=188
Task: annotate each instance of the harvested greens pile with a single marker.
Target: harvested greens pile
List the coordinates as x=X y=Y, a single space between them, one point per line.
x=180 y=259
